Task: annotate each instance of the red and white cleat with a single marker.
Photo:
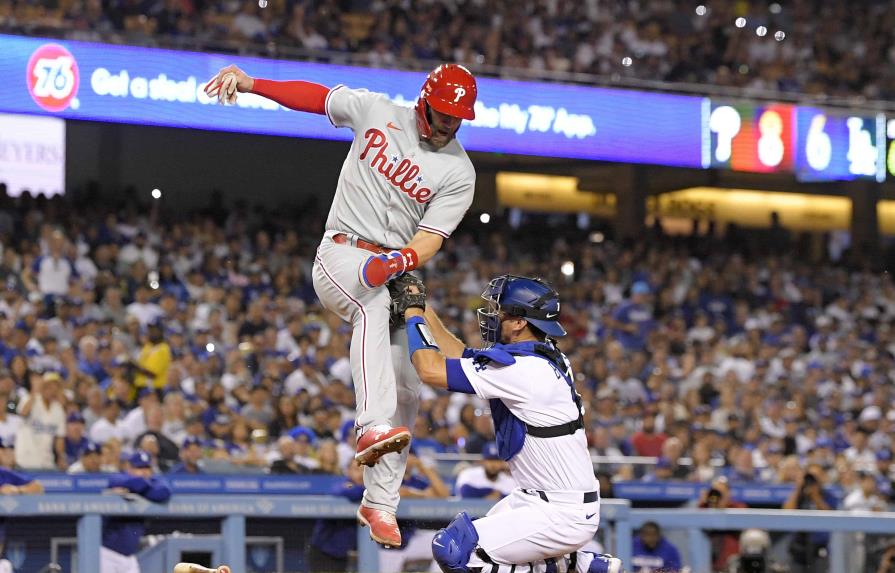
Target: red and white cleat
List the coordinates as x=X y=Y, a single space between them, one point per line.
x=378 y=441
x=383 y=526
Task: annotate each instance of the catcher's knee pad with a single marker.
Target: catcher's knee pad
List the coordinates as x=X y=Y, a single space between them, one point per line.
x=452 y=546
x=604 y=563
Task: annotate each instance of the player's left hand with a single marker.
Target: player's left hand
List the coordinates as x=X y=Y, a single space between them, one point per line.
x=406 y=291
x=227 y=83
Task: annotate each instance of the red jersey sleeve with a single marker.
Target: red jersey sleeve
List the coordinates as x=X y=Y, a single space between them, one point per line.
x=294 y=94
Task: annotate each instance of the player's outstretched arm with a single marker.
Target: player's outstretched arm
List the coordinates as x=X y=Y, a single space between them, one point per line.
x=427 y=360
x=294 y=94
x=451 y=346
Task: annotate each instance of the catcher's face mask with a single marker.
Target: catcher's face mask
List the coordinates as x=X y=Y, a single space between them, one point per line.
x=489 y=315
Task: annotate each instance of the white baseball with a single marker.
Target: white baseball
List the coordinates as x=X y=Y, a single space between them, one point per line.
x=228 y=88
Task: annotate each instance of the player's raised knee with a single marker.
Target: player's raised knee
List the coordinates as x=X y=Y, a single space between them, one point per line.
x=453 y=545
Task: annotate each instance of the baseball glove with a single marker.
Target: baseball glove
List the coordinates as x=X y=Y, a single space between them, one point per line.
x=402 y=298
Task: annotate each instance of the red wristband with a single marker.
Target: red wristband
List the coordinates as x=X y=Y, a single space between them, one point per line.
x=411 y=259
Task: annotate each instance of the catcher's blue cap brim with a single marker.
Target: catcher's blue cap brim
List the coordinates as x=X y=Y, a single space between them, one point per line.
x=548 y=327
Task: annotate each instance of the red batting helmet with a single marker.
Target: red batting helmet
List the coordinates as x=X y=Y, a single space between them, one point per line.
x=449 y=89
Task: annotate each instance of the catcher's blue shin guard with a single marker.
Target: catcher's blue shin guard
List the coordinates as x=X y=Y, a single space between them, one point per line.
x=452 y=546
x=604 y=563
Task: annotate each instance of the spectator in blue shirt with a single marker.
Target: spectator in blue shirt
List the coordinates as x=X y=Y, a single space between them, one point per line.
x=90 y=461
x=190 y=454
x=490 y=480
x=424 y=443
x=716 y=302
x=652 y=553
x=13 y=482
x=331 y=539
x=807 y=548
x=633 y=320
x=75 y=441
x=121 y=535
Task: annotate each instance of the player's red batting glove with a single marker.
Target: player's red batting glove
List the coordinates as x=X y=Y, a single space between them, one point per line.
x=379 y=269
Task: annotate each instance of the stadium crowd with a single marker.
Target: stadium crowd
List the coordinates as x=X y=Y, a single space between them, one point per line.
x=806 y=46
x=200 y=341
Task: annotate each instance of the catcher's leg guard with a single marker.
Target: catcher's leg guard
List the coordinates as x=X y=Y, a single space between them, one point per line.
x=452 y=546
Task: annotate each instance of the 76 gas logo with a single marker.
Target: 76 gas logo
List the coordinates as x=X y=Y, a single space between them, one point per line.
x=52 y=77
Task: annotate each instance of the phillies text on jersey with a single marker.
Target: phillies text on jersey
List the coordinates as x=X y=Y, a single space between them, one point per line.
x=392 y=184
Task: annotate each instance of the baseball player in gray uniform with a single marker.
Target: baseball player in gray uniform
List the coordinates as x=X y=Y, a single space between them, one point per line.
x=403 y=189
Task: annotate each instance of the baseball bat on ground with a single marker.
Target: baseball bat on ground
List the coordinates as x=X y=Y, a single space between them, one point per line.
x=193 y=568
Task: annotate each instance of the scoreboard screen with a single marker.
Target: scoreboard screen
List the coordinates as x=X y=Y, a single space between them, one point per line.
x=839 y=146
x=758 y=138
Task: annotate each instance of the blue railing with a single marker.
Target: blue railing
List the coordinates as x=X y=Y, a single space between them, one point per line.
x=616 y=516
x=660 y=491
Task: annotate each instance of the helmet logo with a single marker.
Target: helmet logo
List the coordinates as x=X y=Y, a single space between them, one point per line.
x=459 y=92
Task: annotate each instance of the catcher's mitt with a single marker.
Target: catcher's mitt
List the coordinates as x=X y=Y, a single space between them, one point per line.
x=402 y=298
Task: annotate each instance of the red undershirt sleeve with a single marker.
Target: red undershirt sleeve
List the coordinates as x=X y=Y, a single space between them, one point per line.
x=295 y=94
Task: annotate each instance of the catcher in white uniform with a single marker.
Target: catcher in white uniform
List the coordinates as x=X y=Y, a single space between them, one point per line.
x=403 y=189
x=538 y=420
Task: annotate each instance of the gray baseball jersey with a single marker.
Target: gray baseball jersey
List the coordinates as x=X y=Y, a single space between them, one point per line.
x=392 y=184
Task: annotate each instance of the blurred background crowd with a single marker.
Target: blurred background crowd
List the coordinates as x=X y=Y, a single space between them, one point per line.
x=198 y=338
x=827 y=47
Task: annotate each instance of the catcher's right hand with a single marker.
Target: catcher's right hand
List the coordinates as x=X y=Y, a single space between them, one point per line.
x=228 y=81
x=407 y=291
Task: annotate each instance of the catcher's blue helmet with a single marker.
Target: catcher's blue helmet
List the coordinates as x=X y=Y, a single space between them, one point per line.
x=529 y=298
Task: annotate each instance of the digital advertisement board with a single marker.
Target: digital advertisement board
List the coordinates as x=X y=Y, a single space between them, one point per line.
x=32 y=154
x=837 y=146
x=102 y=82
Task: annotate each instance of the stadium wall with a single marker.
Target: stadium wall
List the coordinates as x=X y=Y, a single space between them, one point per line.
x=185 y=164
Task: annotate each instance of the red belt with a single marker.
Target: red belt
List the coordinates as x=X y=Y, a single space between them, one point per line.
x=343 y=239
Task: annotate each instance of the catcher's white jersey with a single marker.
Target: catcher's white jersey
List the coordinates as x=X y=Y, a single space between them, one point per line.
x=536 y=393
x=525 y=528
x=391 y=183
